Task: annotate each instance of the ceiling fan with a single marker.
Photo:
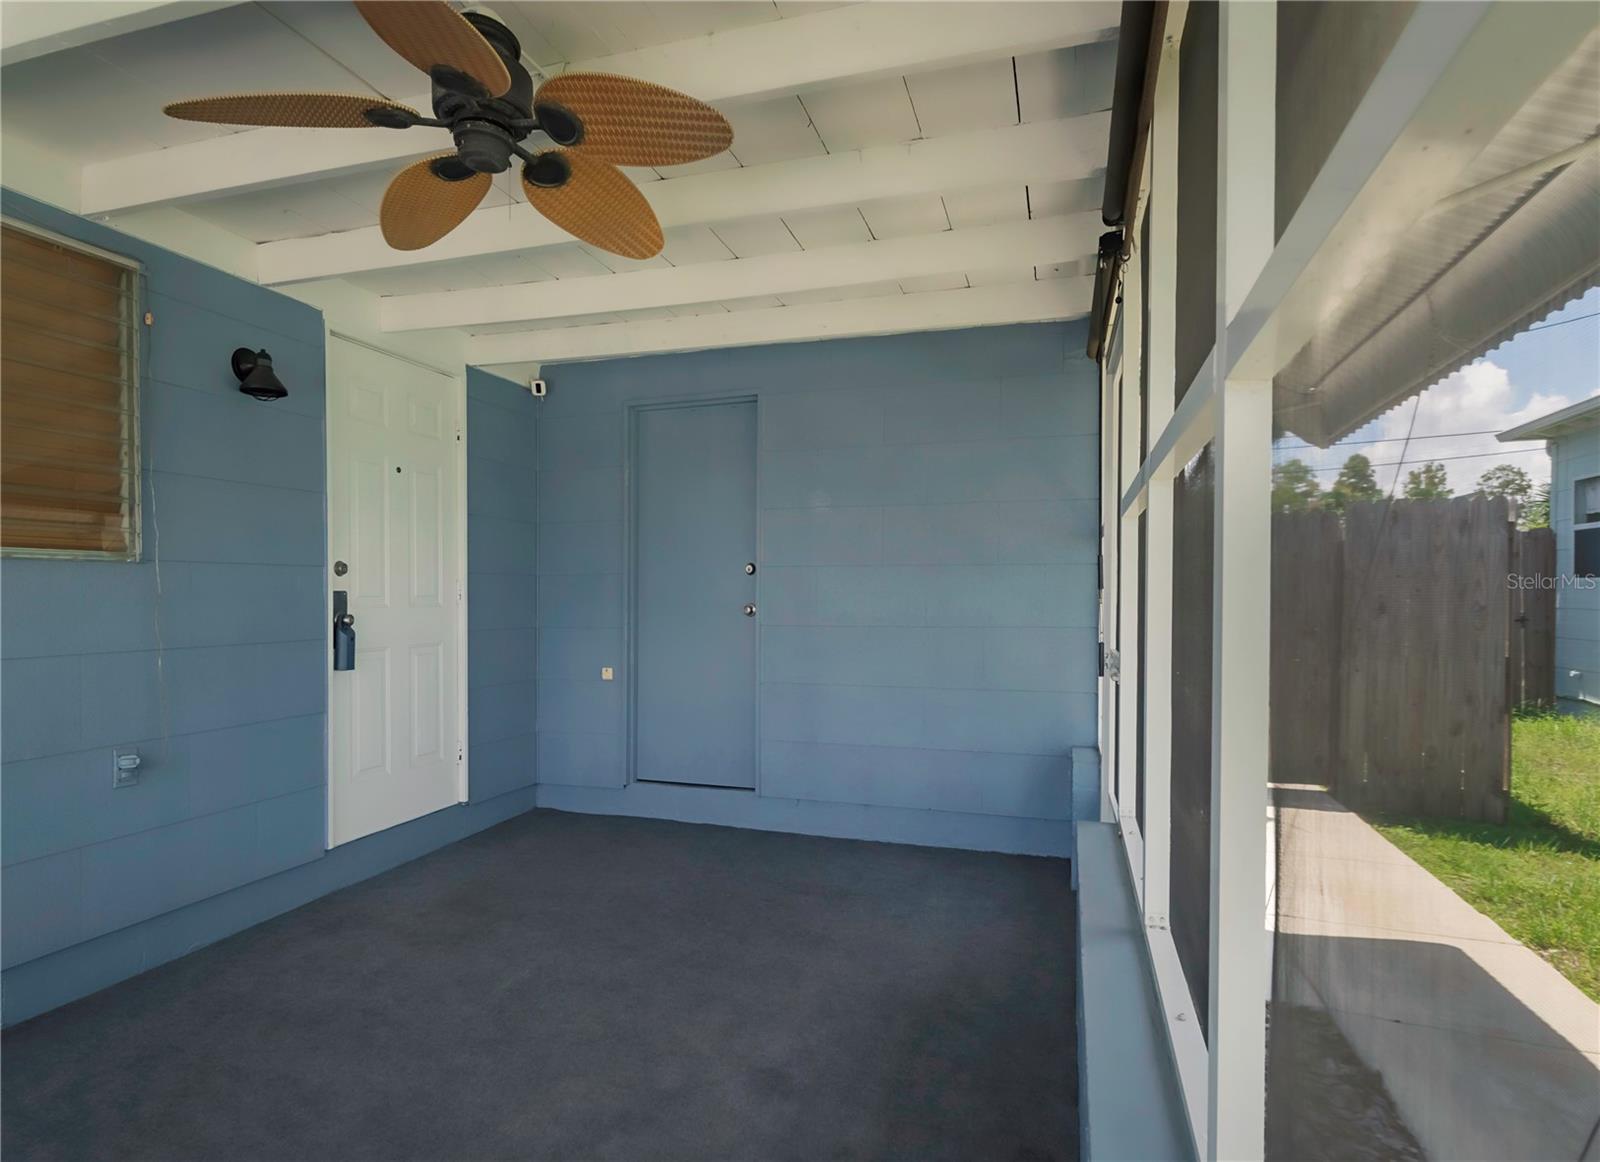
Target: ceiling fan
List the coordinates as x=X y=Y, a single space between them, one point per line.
x=483 y=95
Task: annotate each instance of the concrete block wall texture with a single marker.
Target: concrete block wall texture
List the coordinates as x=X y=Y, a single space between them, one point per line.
x=213 y=666
x=501 y=553
x=927 y=530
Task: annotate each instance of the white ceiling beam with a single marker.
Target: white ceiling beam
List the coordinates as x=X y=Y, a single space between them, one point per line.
x=1048 y=151
x=1042 y=242
x=1022 y=302
x=859 y=42
x=252 y=159
x=786 y=56
x=37 y=28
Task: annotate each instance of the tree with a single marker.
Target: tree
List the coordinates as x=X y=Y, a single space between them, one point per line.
x=1430 y=482
x=1536 y=514
x=1294 y=487
x=1509 y=481
x=1356 y=482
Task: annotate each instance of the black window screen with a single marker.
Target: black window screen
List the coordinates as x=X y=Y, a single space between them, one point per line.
x=1197 y=195
x=1328 y=53
x=1193 y=494
x=1586 y=552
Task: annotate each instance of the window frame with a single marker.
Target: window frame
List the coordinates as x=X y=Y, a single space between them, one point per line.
x=1591 y=527
x=133 y=382
x=1580 y=484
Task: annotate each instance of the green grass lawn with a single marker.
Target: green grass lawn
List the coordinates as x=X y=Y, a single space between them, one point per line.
x=1538 y=875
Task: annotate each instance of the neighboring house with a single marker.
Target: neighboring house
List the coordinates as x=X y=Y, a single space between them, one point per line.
x=1573 y=436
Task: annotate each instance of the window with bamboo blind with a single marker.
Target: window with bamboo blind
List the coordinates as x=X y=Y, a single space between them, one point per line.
x=69 y=472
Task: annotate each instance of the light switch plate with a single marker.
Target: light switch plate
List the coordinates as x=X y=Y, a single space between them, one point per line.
x=125 y=768
x=605 y=674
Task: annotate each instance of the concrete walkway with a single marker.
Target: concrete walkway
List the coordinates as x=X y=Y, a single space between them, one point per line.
x=1487 y=1051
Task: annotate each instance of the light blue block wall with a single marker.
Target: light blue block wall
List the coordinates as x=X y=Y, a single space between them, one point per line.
x=213 y=665
x=927 y=540
x=1574 y=457
x=501 y=551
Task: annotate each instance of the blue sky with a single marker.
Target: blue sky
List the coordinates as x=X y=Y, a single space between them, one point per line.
x=1541 y=370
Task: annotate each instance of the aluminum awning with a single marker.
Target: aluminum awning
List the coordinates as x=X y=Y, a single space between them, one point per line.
x=1520 y=238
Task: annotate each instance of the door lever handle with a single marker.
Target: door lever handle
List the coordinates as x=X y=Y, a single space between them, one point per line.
x=344 y=631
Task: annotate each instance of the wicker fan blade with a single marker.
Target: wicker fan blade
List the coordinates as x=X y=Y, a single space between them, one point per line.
x=431 y=34
x=428 y=199
x=631 y=122
x=596 y=202
x=310 y=110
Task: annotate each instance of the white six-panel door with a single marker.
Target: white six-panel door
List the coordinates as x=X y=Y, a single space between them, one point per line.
x=394 y=736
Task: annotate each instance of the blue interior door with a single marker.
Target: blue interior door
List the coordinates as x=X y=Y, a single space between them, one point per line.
x=695 y=660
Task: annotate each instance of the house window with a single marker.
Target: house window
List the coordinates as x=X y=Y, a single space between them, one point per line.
x=1586 y=527
x=69 y=427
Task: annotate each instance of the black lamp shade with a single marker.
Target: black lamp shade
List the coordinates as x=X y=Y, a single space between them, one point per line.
x=256 y=378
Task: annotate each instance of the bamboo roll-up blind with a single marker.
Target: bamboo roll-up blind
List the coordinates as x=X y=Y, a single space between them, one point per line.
x=68 y=421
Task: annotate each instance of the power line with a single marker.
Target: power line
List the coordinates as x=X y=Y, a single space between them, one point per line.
x=1562 y=322
x=1432 y=459
x=1401 y=439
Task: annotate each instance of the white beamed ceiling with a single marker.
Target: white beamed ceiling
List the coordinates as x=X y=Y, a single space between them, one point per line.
x=978 y=128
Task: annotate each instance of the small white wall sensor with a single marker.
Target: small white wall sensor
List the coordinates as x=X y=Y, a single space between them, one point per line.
x=537 y=386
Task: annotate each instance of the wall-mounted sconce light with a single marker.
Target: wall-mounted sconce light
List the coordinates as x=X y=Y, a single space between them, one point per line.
x=254 y=369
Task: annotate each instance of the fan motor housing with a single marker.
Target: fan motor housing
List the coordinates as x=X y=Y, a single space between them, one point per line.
x=483 y=146
x=483 y=125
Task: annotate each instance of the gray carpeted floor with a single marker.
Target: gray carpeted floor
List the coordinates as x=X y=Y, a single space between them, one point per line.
x=584 y=987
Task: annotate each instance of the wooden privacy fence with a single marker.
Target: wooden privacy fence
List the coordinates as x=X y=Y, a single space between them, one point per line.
x=1402 y=638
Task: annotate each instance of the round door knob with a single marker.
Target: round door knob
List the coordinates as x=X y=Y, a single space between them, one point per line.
x=347 y=620
x=749 y=611
x=750 y=569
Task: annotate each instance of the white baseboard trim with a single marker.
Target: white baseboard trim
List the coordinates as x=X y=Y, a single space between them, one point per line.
x=731 y=808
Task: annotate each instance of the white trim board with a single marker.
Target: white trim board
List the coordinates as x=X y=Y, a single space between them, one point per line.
x=1041 y=301
x=717 y=805
x=1041 y=242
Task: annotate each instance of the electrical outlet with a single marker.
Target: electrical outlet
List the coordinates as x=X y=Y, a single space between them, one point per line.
x=606 y=674
x=125 y=768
